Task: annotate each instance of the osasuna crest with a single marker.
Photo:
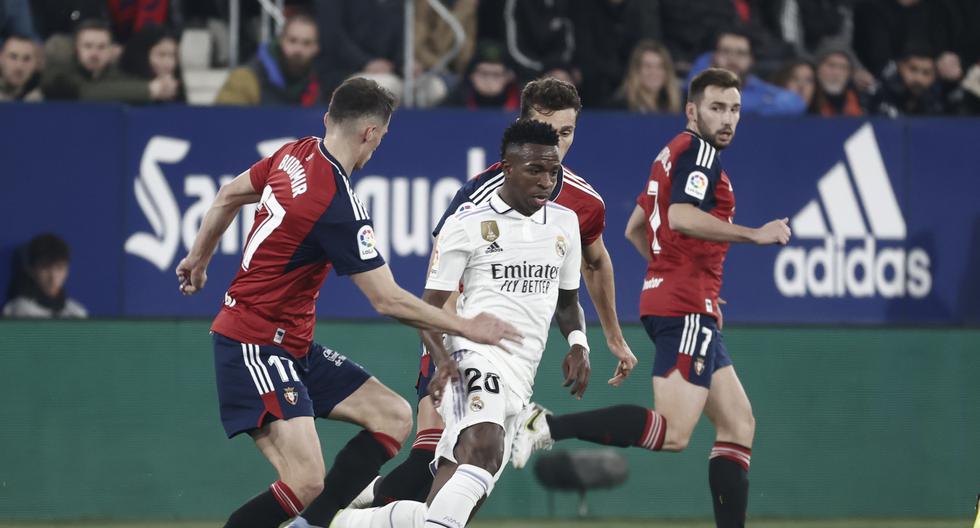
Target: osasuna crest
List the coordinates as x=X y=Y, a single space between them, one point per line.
x=698 y=365
x=289 y=393
x=560 y=246
x=489 y=230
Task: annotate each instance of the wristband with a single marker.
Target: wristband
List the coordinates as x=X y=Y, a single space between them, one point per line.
x=577 y=337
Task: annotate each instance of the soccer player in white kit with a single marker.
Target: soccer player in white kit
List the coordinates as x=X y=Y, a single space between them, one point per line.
x=517 y=256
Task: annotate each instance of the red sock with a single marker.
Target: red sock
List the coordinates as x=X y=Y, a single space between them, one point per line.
x=286 y=498
x=427 y=439
x=734 y=452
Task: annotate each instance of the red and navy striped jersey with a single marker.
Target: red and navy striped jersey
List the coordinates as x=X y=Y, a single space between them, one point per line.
x=308 y=221
x=571 y=191
x=684 y=273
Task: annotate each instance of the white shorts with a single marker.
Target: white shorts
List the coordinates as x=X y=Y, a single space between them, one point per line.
x=482 y=396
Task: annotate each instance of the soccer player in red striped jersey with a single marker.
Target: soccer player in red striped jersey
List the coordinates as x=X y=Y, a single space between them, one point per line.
x=556 y=103
x=273 y=380
x=682 y=225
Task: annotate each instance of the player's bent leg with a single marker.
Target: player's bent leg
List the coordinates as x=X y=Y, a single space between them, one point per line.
x=293 y=448
x=479 y=454
x=387 y=419
x=680 y=403
x=729 y=410
x=342 y=390
x=412 y=479
x=250 y=396
x=681 y=372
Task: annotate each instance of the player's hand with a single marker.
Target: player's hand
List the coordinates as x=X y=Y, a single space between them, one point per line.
x=721 y=318
x=627 y=361
x=488 y=329
x=577 y=370
x=775 y=232
x=192 y=273
x=446 y=373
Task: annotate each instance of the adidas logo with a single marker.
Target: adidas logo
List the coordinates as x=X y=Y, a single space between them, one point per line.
x=494 y=248
x=863 y=252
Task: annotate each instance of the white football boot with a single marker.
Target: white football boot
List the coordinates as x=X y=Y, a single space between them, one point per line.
x=532 y=435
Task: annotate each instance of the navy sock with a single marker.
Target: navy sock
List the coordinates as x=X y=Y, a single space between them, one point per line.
x=619 y=425
x=354 y=468
x=729 y=481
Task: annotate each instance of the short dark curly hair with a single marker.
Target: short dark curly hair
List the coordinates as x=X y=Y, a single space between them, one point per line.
x=547 y=95
x=528 y=131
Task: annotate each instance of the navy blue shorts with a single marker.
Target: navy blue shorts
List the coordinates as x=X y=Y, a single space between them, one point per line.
x=258 y=384
x=427 y=368
x=692 y=345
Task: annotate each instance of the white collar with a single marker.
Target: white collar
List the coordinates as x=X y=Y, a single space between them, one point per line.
x=499 y=206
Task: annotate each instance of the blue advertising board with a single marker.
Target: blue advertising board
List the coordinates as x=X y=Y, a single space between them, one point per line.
x=884 y=212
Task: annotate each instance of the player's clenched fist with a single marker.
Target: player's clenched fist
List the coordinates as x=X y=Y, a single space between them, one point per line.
x=191 y=275
x=490 y=330
x=775 y=232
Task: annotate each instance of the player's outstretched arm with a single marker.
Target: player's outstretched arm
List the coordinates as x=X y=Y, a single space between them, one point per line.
x=597 y=270
x=693 y=222
x=571 y=322
x=389 y=299
x=192 y=269
x=636 y=232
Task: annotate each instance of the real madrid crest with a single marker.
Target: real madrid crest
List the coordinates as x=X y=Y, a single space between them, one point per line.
x=289 y=393
x=560 y=246
x=489 y=230
x=476 y=404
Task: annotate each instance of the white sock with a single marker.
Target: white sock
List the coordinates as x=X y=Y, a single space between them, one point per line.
x=365 y=497
x=454 y=503
x=398 y=514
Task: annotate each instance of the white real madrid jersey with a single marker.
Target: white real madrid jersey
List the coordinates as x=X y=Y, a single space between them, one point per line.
x=511 y=266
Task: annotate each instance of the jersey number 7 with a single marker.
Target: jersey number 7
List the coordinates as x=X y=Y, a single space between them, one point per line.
x=276 y=215
x=655 y=224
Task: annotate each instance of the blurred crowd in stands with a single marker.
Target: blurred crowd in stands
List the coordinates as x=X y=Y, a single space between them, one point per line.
x=820 y=57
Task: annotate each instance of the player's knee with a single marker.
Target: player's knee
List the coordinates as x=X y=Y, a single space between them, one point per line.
x=306 y=486
x=391 y=415
x=676 y=441
x=746 y=429
x=482 y=446
x=740 y=429
x=398 y=421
